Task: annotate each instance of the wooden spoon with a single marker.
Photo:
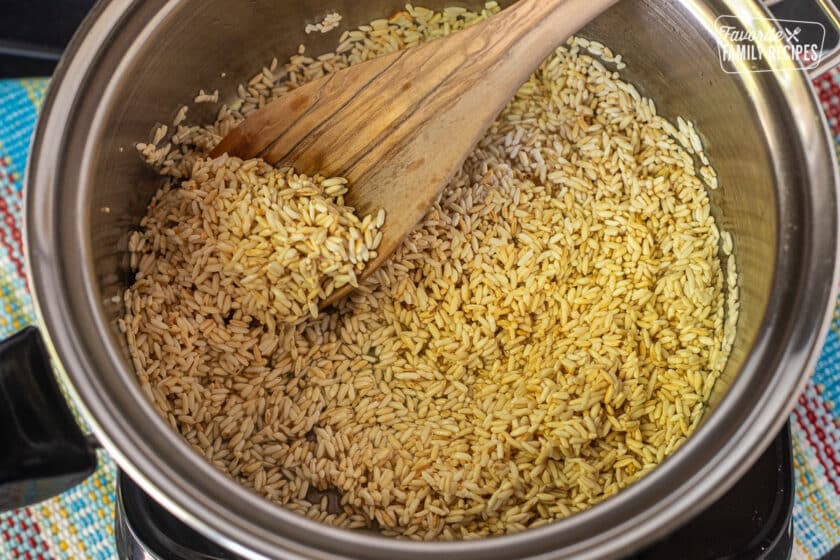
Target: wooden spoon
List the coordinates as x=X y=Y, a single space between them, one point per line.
x=398 y=127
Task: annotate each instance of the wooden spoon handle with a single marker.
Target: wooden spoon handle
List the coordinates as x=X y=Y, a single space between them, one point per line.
x=523 y=35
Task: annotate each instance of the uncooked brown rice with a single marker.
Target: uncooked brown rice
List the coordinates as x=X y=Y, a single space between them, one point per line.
x=548 y=334
x=330 y=22
x=275 y=242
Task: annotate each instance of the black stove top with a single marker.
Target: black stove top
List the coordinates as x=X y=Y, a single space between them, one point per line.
x=753 y=521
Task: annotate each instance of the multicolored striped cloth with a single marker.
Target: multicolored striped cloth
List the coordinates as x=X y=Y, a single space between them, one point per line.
x=815 y=421
x=79 y=523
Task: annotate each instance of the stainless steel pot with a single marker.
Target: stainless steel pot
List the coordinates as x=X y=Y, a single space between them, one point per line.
x=135 y=61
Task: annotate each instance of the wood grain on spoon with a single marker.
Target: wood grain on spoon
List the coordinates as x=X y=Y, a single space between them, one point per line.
x=399 y=126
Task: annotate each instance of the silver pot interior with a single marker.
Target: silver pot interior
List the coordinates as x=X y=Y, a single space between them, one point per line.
x=140 y=60
x=676 y=69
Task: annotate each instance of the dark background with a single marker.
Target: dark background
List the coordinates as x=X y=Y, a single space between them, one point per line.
x=33 y=33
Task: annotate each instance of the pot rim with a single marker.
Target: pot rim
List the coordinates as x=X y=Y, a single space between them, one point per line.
x=247 y=524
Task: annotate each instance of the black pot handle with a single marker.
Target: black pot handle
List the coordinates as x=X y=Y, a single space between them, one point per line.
x=42 y=450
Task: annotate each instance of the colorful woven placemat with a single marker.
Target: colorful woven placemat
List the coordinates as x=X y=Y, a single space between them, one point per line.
x=79 y=523
x=815 y=421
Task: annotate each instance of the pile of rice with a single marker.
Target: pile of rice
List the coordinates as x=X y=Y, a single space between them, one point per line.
x=548 y=334
x=245 y=239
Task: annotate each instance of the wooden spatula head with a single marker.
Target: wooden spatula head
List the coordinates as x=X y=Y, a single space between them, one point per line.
x=398 y=127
